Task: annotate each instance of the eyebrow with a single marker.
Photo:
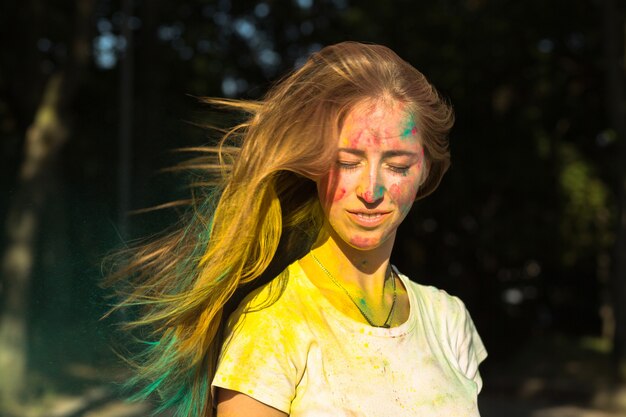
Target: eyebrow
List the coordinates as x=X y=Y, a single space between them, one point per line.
x=386 y=154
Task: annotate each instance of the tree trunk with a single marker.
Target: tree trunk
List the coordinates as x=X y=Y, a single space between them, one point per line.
x=44 y=138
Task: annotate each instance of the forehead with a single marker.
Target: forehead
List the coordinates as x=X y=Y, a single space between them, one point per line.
x=379 y=124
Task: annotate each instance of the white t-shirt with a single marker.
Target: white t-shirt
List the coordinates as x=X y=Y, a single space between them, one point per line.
x=304 y=357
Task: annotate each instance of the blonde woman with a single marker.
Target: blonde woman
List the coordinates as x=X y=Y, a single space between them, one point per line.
x=277 y=296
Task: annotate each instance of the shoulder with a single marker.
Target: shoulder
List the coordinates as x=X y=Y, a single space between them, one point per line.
x=270 y=307
x=265 y=337
x=445 y=314
x=450 y=323
x=434 y=299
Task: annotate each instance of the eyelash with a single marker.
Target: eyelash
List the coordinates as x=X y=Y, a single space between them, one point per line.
x=399 y=169
x=349 y=166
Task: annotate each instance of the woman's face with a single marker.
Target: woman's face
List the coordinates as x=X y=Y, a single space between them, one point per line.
x=380 y=166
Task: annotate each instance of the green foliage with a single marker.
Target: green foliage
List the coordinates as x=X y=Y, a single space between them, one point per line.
x=585 y=220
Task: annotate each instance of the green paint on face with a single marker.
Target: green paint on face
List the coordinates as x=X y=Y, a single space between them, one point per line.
x=409 y=129
x=379 y=191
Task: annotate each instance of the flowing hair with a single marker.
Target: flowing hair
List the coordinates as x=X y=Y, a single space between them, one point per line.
x=256 y=212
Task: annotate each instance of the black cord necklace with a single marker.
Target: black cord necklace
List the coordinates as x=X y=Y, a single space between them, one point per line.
x=387 y=323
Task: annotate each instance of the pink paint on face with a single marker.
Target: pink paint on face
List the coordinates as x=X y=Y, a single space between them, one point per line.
x=339 y=194
x=371 y=188
x=354 y=138
x=395 y=191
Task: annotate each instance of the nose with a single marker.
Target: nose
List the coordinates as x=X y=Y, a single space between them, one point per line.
x=371 y=188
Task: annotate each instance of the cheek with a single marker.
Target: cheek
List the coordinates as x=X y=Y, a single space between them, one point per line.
x=403 y=193
x=331 y=189
x=339 y=194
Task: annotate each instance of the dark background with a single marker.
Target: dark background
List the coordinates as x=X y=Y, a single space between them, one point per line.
x=525 y=227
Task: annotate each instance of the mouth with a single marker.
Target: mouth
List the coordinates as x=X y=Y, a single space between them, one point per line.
x=367 y=218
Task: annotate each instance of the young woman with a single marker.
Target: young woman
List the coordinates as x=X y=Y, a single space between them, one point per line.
x=276 y=296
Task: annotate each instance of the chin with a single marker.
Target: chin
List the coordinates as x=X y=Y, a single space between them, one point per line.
x=365 y=243
x=363 y=240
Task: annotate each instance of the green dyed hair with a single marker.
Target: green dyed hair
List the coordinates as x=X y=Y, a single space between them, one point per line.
x=260 y=214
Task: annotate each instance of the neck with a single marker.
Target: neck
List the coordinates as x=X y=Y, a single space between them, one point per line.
x=363 y=269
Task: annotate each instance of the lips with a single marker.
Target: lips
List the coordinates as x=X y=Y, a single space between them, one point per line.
x=368 y=218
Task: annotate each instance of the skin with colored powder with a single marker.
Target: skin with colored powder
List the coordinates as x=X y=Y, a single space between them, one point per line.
x=378 y=171
x=410 y=128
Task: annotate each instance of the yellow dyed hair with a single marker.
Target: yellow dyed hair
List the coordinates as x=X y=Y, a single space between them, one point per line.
x=258 y=211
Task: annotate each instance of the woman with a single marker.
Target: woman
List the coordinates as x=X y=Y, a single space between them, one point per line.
x=297 y=232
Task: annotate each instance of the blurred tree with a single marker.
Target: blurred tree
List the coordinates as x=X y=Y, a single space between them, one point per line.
x=126 y=118
x=42 y=102
x=615 y=67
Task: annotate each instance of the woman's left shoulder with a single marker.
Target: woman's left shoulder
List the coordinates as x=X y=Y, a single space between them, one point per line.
x=433 y=297
x=450 y=320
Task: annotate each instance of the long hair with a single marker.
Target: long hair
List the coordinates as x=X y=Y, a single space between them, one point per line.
x=257 y=211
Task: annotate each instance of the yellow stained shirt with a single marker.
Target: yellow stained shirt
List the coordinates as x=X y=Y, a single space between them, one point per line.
x=302 y=356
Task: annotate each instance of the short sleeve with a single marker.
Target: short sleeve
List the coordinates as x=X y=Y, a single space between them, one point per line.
x=258 y=359
x=467 y=345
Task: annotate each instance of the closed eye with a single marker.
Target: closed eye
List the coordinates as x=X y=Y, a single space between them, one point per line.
x=348 y=165
x=399 y=169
